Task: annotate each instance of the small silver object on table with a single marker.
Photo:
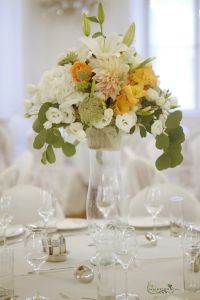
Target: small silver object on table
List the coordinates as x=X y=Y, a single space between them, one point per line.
x=57 y=248
x=84 y=274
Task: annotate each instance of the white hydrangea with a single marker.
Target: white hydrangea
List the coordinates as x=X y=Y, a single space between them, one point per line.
x=54 y=115
x=68 y=113
x=157 y=127
x=126 y=121
x=108 y=114
x=76 y=129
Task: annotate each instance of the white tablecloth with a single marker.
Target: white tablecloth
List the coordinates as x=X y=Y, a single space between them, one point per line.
x=160 y=265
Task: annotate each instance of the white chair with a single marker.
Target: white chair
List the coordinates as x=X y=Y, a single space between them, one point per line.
x=25 y=200
x=8 y=178
x=24 y=163
x=191 y=205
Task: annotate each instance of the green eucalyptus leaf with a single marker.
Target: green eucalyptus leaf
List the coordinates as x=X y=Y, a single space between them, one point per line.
x=68 y=149
x=129 y=35
x=93 y=19
x=101 y=16
x=174 y=119
x=40 y=139
x=37 y=126
x=42 y=112
x=132 y=130
x=176 y=135
x=51 y=158
x=163 y=162
x=51 y=137
x=143 y=132
x=44 y=158
x=162 y=141
x=96 y=34
x=86 y=25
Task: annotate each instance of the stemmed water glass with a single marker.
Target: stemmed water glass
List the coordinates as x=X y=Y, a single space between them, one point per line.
x=36 y=253
x=125 y=249
x=5 y=214
x=47 y=208
x=153 y=203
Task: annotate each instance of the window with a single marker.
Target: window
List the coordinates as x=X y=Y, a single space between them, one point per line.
x=172 y=34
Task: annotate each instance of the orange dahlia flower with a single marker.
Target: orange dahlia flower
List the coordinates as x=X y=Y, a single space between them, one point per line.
x=81 y=71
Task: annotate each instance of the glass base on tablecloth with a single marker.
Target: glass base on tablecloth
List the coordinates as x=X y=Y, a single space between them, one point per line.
x=37 y=298
x=127 y=296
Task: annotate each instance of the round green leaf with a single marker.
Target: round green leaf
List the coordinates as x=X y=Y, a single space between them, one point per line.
x=42 y=112
x=44 y=158
x=174 y=119
x=162 y=141
x=51 y=137
x=163 y=162
x=50 y=155
x=68 y=149
x=37 y=126
x=40 y=139
x=176 y=135
x=143 y=132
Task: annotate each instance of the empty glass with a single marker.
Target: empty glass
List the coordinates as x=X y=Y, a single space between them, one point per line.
x=6 y=274
x=125 y=249
x=47 y=208
x=176 y=216
x=153 y=203
x=36 y=253
x=5 y=214
x=191 y=258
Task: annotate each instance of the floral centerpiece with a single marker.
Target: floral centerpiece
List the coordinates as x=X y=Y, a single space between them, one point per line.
x=103 y=89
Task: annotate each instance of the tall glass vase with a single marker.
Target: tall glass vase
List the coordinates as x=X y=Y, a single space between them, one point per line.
x=103 y=198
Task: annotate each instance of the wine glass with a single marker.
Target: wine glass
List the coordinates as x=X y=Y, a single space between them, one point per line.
x=47 y=208
x=36 y=253
x=5 y=214
x=153 y=203
x=125 y=249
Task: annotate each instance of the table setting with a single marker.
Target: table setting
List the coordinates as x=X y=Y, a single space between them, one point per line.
x=101 y=92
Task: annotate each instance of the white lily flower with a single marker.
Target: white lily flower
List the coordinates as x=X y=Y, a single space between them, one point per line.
x=101 y=47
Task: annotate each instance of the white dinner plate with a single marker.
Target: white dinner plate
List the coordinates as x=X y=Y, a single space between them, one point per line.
x=71 y=224
x=14 y=231
x=147 y=222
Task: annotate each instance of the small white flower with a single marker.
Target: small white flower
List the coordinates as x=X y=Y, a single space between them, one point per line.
x=163 y=118
x=157 y=127
x=54 y=115
x=160 y=101
x=126 y=121
x=108 y=114
x=152 y=95
x=68 y=113
x=77 y=130
x=47 y=125
x=166 y=105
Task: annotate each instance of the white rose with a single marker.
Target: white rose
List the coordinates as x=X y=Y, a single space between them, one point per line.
x=157 y=127
x=54 y=115
x=126 y=121
x=152 y=95
x=47 y=125
x=77 y=130
x=108 y=114
x=68 y=113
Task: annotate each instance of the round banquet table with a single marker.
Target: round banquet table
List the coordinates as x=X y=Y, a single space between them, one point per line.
x=160 y=266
